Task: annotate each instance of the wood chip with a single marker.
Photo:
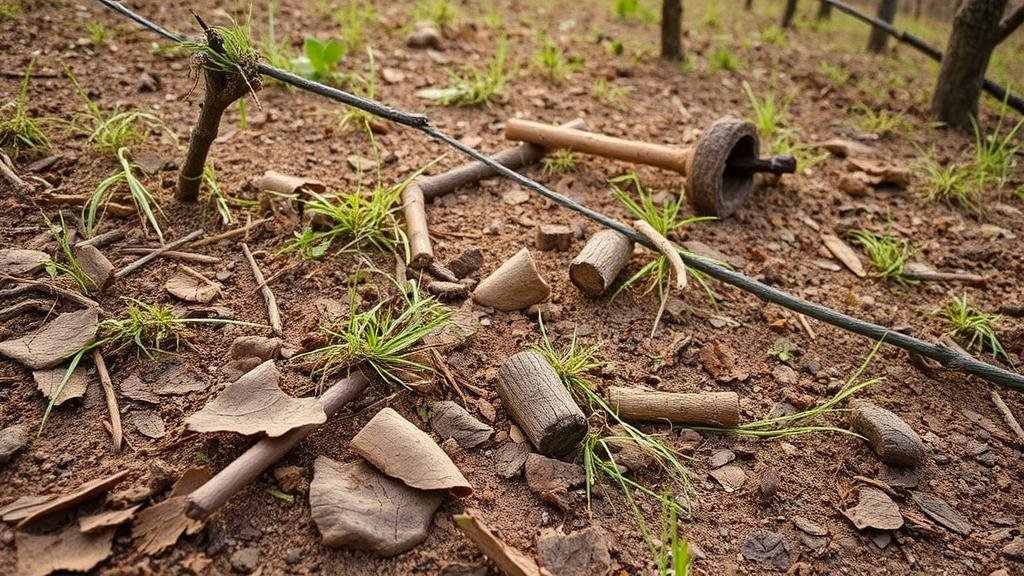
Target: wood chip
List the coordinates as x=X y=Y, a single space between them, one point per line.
x=47 y=381
x=19 y=262
x=97 y=522
x=875 y=510
x=70 y=549
x=83 y=493
x=191 y=289
x=842 y=251
x=508 y=560
x=158 y=527
x=939 y=510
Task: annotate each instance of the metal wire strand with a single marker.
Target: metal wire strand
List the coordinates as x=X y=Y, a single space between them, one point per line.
x=949 y=358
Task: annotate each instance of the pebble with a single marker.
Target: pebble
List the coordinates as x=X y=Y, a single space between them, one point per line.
x=1015 y=549
x=785 y=375
x=720 y=458
x=245 y=560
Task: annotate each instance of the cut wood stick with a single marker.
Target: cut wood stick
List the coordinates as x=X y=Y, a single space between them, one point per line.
x=538 y=402
x=102 y=239
x=1007 y=415
x=416 y=194
x=208 y=498
x=806 y=326
x=148 y=257
x=175 y=255
x=229 y=234
x=509 y=560
x=116 y=431
x=925 y=274
x=52 y=289
x=596 y=266
x=720 y=409
x=276 y=275
x=273 y=312
x=666 y=248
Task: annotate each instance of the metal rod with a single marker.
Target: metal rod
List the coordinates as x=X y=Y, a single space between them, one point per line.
x=945 y=356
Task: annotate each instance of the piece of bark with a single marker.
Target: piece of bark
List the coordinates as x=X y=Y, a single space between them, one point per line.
x=842 y=251
x=116 y=431
x=466 y=263
x=47 y=381
x=21 y=262
x=83 y=493
x=273 y=312
x=12 y=439
x=596 y=266
x=940 y=511
x=96 y=267
x=401 y=450
x=515 y=285
x=256 y=404
x=447 y=291
x=552 y=479
x=509 y=458
x=55 y=342
x=356 y=507
x=149 y=424
x=68 y=549
x=876 y=510
x=842 y=148
x=101 y=240
x=536 y=399
x=159 y=526
x=720 y=409
x=553 y=237
x=890 y=437
x=97 y=522
x=508 y=560
x=284 y=184
x=450 y=420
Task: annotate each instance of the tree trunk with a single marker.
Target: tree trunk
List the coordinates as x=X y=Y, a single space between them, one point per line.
x=824 y=11
x=787 y=15
x=917 y=9
x=879 y=38
x=672 y=29
x=974 y=36
x=749 y=5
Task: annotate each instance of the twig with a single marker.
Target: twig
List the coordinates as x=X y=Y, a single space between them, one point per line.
x=273 y=313
x=209 y=497
x=142 y=261
x=9 y=174
x=275 y=276
x=198 y=276
x=116 y=432
x=1007 y=415
x=102 y=239
x=666 y=248
x=806 y=326
x=110 y=430
x=27 y=306
x=52 y=289
x=229 y=233
x=175 y=255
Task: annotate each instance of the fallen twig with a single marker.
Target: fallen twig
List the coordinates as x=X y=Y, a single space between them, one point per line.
x=175 y=255
x=273 y=312
x=142 y=261
x=1007 y=415
x=666 y=248
x=923 y=273
x=27 y=306
x=229 y=234
x=102 y=239
x=116 y=431
x=806 y=326
x=509 y=560
x=9 y=174
x=49 y=288
x=275 y=276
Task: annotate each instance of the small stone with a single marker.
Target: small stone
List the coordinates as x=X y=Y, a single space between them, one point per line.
x=424 y=35
x=721 y=457
x=875 y=510
x=730 y=477
x=451 y=420
x=767 y=548
x=881 y=539
x=808 y=527
x=582 y=553
x=898 y=476
x=1015 y=549
x=785 y=375
x=466 y=263
x=515 y=197
x=516 y=434
x=12 y=439
x=554 y=237
x=291 y=479
x=260 y=347
x=545 y=474
x=245 y=560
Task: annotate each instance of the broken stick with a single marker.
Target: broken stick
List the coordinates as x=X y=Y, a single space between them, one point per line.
x=47 y=287
x=273 y=312
x=209 y=497
x=719 y=409
x=170 y=245
x=116 y=430
x=666 y=248
x=509 y=560
x=600 y=261
x=101 y=239
x=1007 y=415
x=175 y=255
x=536 y=399
x=420 y=190
x=922 y=273
x=230 y=233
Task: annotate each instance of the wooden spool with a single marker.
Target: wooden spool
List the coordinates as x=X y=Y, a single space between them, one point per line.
x=720 y=409
x=540 y=404
x=605 y=255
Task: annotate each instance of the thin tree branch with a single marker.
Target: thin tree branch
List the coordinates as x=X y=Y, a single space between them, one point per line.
x=1010 y=23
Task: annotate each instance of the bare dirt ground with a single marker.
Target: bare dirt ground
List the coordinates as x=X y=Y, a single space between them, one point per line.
x=976 y=471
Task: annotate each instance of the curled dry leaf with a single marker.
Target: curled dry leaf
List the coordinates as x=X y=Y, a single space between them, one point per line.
x=355 y=506
x=509 y=560
x=881 y=173
x=401 y=450
x=149 y=424
x=254 y=404
x=842 y=251
x=158 y=527
x=56 y=341
x=49 y=380
x=191 y=289
x=69 y=549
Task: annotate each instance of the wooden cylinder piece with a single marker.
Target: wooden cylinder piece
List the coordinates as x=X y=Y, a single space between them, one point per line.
x=600 y=261
x=540 y=404
x=720 y=409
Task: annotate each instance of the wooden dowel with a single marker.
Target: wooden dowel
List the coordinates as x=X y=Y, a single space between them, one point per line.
x=208 y=498
x=142 y=261
x=116 y=431
x=273 y=312
x=538 y=401
x=596 y=266
x=720 y=409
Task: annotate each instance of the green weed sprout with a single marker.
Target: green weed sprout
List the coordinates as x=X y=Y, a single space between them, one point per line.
x=559 y=161
x=888 y=254
x=974 y=328
x=473 y=86
x=70 y=266
x=112 y=131
x=18 y=128
x=950 y=184
x=145 y=202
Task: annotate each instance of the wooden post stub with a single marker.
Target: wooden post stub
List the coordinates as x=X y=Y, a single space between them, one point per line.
x=600 y=261
x=538 y=402
x=515 y=285
x=720 y=409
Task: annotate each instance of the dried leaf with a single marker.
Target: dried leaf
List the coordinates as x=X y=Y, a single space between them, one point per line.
x=55 y=342
x=401 y=450
x=191 y=289
x=175 y=380
x=939 y=510
x=731 y=477
x=69 y=549
x=158 y=527
x=844 y=253
x=97 y=522
x=48 y=380
x=254 y=404
x=285 y=184
x=83 y=493
x=875 y=510
x=149 y=424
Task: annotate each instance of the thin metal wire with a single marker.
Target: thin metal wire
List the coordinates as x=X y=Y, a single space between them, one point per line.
x=947 y=357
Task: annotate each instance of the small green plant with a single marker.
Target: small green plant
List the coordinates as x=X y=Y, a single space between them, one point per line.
x=633 y=11
x=610 y=92
x=283 y=496
x=441 y=12
x=320 y=60
x=774 y=35
x=17 y=128
x=974 y=329
x=9 y=11
x=112 y=131
x=70 y=266
x=217 y=198
x=352 y=20
x=721 y=58
x=950 y=184
x=834 y=72
x=616 y=47
x=882 y=122
x=386 y=338
x=475 y=87
x=354 y=116
x=712 y=18
x=276 y=53
x=888 y=253
x=551 y=61
x=782 y=351
x=995 y=154
x=98 y=33
x=558 y=162
x=145 y=203
x=671 y=553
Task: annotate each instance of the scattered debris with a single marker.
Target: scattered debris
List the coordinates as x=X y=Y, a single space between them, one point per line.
x=69 y=549
x=767 y=548
x=83 y=493
x=875 y=510
x=535 y=398
x=508 y=560
x=466 y=263
x=285 y=184
x=255 y=403
x=149 y=424
x=842 y=147
x=842 y=251
x=291 y=480
x=879 y=173
x=596 y=266
x=552 y=479
x=731 y=477
x=56 y=341
x=890 y=437
x=939 y=510
x=103 y=520
x=159 y=526
x=450 y=420
x=448 y=291
x=719 y=360
x=582 y=553
x=509 y=458
x=47 y=381
x=128 y=269
x=12 y=439
x=355 y=506
x=515 y=285
x=401 y=450
x=769 y=485
x=424 y=35
x=721 y=409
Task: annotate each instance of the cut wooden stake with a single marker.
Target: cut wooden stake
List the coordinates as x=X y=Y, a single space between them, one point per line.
x=175 y=255
x=416 y=194
x=230 y=233
x=145 y=259
x=536 y=399
x=208 y=498
x=510 y=561
x=600 y=261
x=720 y=409
x=116 y=431
x=666 y=248
x=1007 y=415
x=923 y=273
x=273 y=313
x=515 y=285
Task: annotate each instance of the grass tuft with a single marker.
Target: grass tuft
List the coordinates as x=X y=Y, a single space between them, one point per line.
x=888 y=253
x=883 y=122
x=217 y=198
x=442 y=13
x=473 y=86
x=973 y=328
x=950 y=184
x=771 y=117
x=721 y=58
x=70 y=266
x=145 y=203
x=550 y=60
x=18 y=128
x=112 y=131
x=558 y=162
